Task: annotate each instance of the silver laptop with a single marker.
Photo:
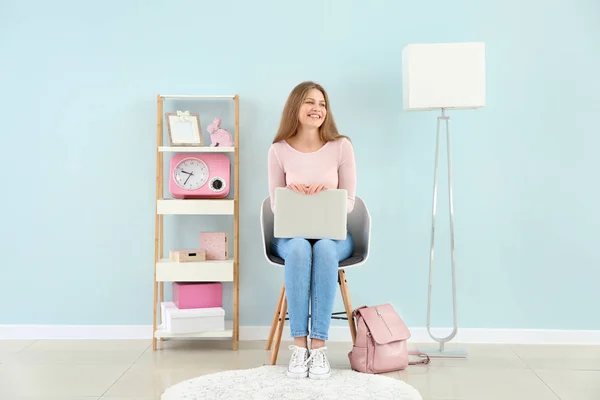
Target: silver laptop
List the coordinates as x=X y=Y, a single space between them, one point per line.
x=318 y=216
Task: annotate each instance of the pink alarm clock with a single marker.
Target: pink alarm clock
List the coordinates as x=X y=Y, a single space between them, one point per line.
x=199 y=176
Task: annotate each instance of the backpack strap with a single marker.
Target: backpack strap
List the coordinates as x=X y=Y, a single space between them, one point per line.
x=356 y=311
x=426 y=360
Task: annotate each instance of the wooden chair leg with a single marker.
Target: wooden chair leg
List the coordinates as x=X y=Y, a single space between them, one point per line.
x=347 y=304
x=279 y=330
x=275 y=318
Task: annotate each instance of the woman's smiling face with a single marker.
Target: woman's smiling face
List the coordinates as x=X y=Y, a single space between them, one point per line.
x=313 y=110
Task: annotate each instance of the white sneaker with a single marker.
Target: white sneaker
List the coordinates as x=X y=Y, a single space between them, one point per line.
x=298 y=366
x=318 y=364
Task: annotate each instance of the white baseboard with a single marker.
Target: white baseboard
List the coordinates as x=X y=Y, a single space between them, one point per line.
x=336 y=333
x=40 y=332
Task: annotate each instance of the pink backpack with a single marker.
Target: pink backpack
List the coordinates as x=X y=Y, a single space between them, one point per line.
x=381 y=341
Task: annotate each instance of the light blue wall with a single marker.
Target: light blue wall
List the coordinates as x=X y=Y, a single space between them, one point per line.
x=77 y=94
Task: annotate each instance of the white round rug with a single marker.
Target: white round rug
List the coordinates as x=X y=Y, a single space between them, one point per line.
x=270 y=382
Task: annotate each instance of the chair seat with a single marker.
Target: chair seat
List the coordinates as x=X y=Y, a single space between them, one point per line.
x=354 y=259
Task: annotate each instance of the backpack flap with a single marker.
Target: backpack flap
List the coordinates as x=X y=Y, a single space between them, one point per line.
x=384 y=323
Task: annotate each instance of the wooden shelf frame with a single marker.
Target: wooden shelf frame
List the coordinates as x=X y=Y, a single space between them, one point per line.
x=197 y=207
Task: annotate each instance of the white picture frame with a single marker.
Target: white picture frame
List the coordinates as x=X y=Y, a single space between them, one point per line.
x=184 y=128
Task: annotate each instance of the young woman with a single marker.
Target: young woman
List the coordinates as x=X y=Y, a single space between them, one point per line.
x=309 y=155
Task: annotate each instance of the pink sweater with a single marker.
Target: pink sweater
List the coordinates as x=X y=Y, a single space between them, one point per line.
x=332 y=165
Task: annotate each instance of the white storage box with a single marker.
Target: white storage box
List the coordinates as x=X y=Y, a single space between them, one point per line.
x=192 y=320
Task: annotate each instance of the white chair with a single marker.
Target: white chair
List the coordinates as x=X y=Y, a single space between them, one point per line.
x=359 y=225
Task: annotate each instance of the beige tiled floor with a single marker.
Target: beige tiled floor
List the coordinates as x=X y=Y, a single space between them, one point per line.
x=119 y=370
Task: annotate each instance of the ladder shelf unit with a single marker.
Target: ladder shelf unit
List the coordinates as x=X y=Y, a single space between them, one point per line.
x=202 y=271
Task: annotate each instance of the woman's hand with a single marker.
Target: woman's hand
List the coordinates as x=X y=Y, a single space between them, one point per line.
x=297 y=188
x=314 y=189
x=306 y=189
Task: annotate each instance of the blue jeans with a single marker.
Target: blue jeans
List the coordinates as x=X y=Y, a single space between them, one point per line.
x=311 y=272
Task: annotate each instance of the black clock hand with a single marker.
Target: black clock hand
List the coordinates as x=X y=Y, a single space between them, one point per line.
x=185 y=172
x=190 y=174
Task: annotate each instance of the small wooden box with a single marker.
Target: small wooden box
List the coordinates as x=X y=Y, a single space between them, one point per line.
x=187 y=255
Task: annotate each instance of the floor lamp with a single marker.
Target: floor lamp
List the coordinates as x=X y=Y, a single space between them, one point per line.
x=443 y=76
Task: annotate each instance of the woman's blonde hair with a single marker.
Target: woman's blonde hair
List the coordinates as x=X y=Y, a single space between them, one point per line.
x=288 y=126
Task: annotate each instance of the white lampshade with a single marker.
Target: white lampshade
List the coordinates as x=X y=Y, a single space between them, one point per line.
x=444 y=75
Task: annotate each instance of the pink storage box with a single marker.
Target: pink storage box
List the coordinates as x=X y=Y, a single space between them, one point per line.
x=197 y=295
x=215 y=244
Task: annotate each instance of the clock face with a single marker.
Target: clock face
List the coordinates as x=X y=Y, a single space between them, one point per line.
x=190 y=174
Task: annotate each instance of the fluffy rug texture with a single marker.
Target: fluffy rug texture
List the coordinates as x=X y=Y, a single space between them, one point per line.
x=270 y=382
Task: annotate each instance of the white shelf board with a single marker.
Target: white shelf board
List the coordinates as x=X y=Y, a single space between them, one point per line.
x=196 y=149
x=194 y=271
x=162 y=333
x=198 y=96
x=195 y=206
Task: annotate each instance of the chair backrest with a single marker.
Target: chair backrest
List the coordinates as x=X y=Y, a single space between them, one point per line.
x=266 y=223
x=359 y=225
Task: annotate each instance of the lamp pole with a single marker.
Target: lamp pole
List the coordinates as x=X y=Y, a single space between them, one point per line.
x=443 y=352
